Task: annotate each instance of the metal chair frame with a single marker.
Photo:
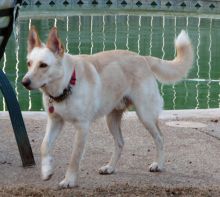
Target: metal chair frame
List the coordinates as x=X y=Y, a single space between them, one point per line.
x=18 y=125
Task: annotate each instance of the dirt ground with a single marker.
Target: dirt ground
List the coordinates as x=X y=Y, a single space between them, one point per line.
x=191 y=166
x=117 y=190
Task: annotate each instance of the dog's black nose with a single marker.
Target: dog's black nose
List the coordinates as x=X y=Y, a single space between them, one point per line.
x=26 y=82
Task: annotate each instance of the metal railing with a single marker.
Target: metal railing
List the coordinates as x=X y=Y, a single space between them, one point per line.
x=155 y=4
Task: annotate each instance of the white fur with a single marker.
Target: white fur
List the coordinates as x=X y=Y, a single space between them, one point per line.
x=46 y=167
x=106 y=84
x=182 y=39
x=171 y=71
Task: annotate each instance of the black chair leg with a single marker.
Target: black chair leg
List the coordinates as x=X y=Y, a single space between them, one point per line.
x=17 y=121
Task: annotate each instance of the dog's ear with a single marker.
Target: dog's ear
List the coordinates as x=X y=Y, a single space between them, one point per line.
x=33 y=39
x=54 y=43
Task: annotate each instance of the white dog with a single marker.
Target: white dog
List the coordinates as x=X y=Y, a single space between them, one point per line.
x=82 y=88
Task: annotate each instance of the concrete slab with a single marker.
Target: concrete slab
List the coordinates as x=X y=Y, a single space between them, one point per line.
x=192 y=158
x=185 y=124
x=165 y=114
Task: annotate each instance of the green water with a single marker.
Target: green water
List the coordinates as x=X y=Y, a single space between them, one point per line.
x=146 y=35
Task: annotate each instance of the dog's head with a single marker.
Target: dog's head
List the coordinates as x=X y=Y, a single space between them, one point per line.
x=44 y=61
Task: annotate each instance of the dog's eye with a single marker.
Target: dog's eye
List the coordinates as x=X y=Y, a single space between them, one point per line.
x=43 y=65
x=29 y=64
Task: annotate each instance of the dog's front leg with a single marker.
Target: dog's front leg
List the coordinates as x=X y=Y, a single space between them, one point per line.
x=71 y=175
x=54 y=126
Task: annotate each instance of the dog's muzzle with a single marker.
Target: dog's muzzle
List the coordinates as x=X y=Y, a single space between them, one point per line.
x=26 y=83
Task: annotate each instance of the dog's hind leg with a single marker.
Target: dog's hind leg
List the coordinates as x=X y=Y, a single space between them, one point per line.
x=71 y=175
x=54 y=126
x=148 y=103
x=114 y=125
x=159 y=141
x=151 y=124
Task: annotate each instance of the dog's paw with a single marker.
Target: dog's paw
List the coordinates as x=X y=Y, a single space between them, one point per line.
x=46 y=168
x=46 y=176
x=106 y=170
x=154 y=167
x=68 y=183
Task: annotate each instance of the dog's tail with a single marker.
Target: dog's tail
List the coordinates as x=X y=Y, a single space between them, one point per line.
x=174 y=70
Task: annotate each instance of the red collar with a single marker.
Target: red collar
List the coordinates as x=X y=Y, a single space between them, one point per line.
x=73 y=78
x=66 y=92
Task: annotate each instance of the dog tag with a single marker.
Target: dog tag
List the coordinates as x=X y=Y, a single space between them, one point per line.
x=51 y=109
